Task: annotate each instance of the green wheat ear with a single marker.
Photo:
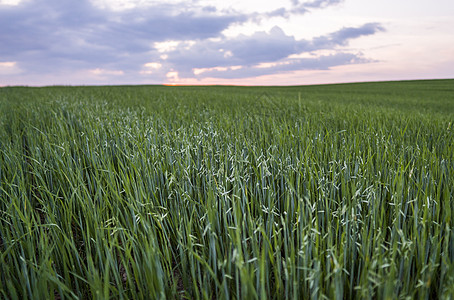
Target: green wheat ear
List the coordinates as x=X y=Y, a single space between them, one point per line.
x=149 y=192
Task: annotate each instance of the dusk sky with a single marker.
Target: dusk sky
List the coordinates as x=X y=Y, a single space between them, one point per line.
x=244 y=42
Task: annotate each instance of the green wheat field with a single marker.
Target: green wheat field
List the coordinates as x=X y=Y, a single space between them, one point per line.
x=154 y=192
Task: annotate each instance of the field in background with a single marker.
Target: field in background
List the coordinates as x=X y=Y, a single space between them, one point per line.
x=337 y=191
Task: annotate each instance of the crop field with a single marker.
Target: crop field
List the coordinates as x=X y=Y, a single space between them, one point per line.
x=154 y=192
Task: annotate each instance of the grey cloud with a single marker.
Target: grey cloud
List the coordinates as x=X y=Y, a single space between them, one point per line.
x=210 y=9
x=347 y=33
x=58 y=36
x=241 y=50
x=321 y=3
x=341 y=37
x=54 y=34
x=316 y=63
x=300 y=8
x=262 y=47
x=280 y=12
x=315 y=3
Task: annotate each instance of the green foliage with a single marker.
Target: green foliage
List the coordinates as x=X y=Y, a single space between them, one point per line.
x=138 y=192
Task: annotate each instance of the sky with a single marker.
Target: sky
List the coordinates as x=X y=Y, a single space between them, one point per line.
x=237 y=42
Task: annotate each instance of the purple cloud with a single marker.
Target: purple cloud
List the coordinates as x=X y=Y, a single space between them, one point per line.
x=58 y=36
x=316 y=63
x=345 y=34
x=319 y=3
x=241 y=50
x=45 y=34
x=300 y=8
x=261 y=47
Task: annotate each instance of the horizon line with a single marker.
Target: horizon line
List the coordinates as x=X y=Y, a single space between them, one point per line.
x=220 y=85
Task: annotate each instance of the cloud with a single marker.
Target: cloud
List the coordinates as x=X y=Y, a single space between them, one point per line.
x=344 y=35
x=319 y=3
x=46 y=34
x=265 y=47
x=9 y=2
x=315 y=63
x=241 y=50
x=99 y=71
x=9 y=68
x=158 y=41
x=300 y=8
